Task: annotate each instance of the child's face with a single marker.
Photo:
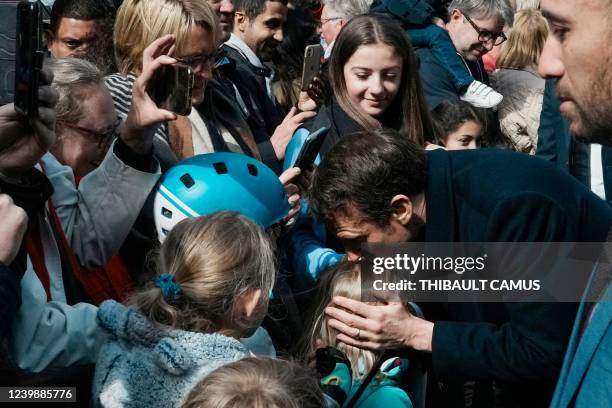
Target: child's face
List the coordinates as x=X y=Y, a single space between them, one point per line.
x=466 y=137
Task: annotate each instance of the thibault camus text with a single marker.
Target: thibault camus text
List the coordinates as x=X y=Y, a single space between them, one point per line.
x=411 y=264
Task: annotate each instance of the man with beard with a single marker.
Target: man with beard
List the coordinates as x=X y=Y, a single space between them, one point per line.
x=577 y=53
x=258 y=29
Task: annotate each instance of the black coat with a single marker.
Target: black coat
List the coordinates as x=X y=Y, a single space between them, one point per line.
x=340 y=124
x=490 y=195
x=556 y=144
x=264 y=115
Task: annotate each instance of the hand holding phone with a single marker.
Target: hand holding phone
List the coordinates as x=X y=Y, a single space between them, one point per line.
x=145 y=116
x=172 y=86
x=24 y=140
x=310 y=149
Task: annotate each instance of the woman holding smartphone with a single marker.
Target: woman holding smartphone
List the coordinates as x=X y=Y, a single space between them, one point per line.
x=375 y=83
x=216 y=122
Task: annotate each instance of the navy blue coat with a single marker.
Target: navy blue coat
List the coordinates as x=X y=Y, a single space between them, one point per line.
x=556 y=144
x=491 y=195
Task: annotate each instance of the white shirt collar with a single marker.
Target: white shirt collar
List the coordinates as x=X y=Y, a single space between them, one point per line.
x=236 y=43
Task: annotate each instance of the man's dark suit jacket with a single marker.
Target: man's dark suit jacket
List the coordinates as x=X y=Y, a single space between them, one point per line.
x=491 y=195
x=556 y=144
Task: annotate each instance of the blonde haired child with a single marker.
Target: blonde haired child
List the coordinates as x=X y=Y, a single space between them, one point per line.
x=344 y=280
x=215 y=275
x=257 y=383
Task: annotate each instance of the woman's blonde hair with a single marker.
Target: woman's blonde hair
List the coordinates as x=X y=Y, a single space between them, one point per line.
x=525 y=42
x=214 y=259
x=344 y=280
x=140 y=22
x=257 y=382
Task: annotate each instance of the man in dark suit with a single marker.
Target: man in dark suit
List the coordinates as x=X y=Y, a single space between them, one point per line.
x=578 y=55
x=377 y=187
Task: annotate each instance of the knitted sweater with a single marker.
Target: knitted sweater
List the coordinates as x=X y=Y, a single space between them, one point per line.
x=144 y=366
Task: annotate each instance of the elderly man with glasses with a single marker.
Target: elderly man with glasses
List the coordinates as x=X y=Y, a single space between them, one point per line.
x=334 y=15
x=422 y=20
x=474 y=28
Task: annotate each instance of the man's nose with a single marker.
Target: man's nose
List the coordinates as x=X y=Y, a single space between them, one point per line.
x=278 y=35
x=551 y=63
x=353 y=255
x=227 y=6
x=488 y=45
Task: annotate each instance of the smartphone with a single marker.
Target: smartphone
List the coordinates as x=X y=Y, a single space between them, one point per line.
x=312 y=64
x=29 y=56
x=8 y=30
x=172 y=86
x=310 y=149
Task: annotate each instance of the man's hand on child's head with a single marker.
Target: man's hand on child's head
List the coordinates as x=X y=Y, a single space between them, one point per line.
x=378 y=327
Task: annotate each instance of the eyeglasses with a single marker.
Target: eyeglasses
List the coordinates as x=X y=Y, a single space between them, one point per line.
x=485 y=36
x=101 y=138
x=199 y=62
x=327 y=20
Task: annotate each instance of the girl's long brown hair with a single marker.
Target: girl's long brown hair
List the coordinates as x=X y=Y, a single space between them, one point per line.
x=409 y=108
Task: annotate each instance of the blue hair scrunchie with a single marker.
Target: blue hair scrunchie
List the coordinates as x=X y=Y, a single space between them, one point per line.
x=171 y=291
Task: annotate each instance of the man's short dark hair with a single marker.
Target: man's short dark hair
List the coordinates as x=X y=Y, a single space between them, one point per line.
x=366 y=170
x=253 y=8
x=79 y=10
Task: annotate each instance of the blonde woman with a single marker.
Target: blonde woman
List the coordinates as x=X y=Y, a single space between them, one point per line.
x=518 y=80
x=215 y=273
x=216 y=122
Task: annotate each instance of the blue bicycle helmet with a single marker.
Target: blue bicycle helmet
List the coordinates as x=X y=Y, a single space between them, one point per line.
x=213 y=182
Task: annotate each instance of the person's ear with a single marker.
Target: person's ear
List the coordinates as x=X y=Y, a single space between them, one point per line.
x=241 y=21
x=49 y=38
x=455 y=15
x=402 y=209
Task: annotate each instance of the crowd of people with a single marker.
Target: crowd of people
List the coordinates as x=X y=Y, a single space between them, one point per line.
x=151 y=259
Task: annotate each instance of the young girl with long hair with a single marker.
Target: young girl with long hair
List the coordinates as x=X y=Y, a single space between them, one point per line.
x=375 y=83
